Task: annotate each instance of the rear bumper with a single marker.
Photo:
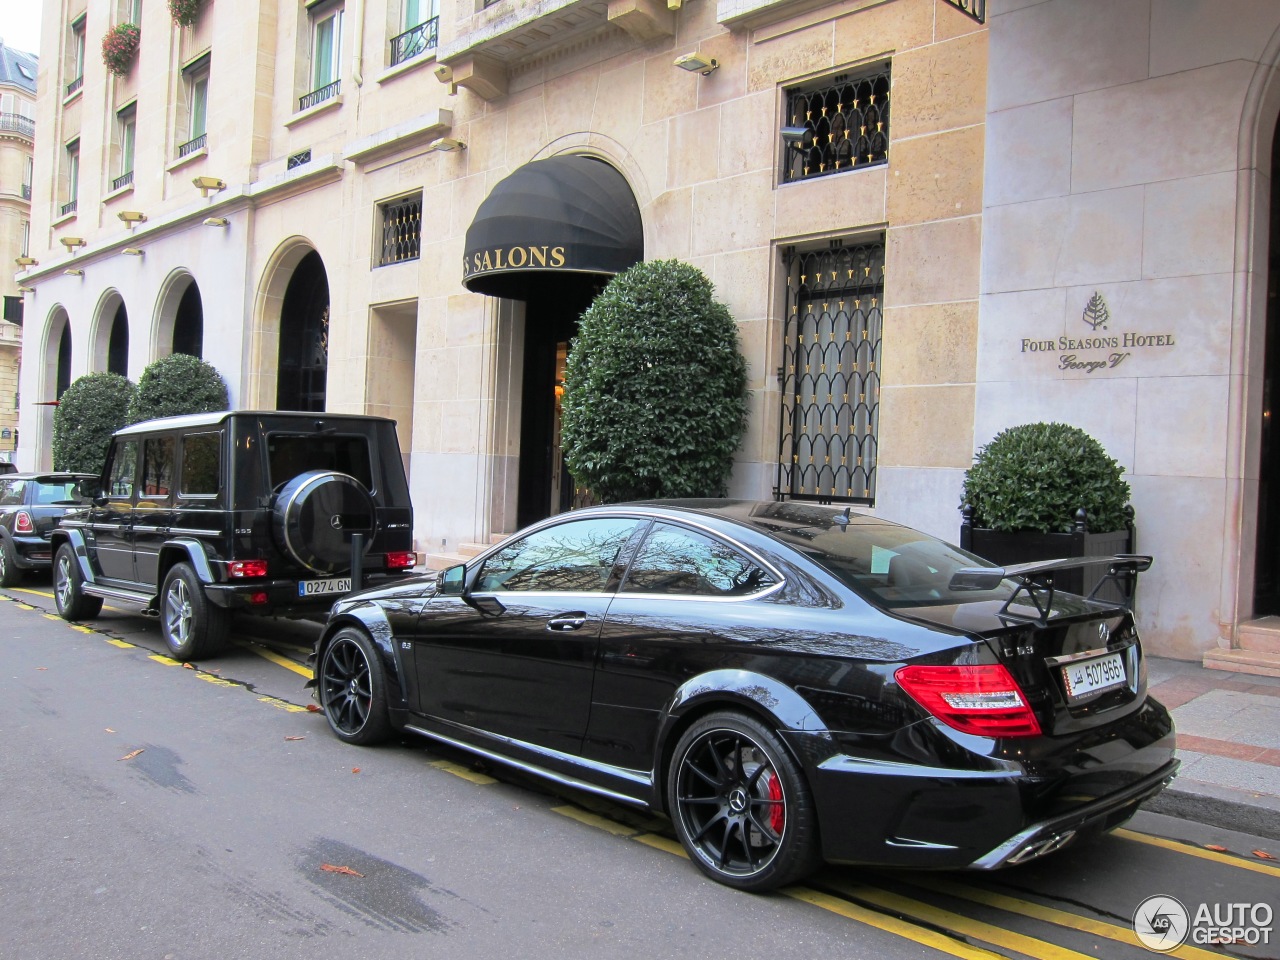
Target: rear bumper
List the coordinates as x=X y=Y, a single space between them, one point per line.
x=282 y=595
x=32 y=553
x=1102 y=814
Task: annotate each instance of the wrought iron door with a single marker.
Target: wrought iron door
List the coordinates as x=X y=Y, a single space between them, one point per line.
x=830 y=374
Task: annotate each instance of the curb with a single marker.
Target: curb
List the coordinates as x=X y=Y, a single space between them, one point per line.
x=1239 y=810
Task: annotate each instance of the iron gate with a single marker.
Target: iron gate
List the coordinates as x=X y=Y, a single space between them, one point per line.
x=830 y=374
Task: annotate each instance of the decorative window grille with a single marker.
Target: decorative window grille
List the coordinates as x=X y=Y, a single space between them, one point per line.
x=830 y=377
x=836 y=126
x=299 y=158
x=974 y=8
x=401 y=230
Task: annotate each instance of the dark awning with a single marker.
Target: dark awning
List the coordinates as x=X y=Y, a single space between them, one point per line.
x=567 y=214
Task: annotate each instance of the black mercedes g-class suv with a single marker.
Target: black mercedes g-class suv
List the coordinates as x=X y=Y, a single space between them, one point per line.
x=258 y=512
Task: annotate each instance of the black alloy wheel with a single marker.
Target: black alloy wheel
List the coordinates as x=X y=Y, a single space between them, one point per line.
x=353 y=690
x=192 y=626
x=740 y=805
x=10 y=572
x=68 y=587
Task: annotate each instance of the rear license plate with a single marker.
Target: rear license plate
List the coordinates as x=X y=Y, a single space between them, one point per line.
x=313 y=588
x=1094 y=676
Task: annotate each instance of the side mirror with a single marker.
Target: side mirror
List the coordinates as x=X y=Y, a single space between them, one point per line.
x=453 y=580
x=90 y=488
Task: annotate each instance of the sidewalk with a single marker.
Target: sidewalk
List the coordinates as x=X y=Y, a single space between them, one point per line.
x=1229 y=742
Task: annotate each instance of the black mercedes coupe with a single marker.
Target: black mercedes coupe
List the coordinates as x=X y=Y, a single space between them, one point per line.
x=789 y=682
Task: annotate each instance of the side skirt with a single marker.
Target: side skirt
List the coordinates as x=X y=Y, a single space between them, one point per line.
x=544 y=773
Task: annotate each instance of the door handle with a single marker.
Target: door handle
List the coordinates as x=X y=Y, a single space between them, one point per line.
x=570 y=621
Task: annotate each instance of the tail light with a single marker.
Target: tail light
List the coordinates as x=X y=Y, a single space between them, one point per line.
x=401 y=560
x=247 y=568
x=22 y=523
x=980 y=699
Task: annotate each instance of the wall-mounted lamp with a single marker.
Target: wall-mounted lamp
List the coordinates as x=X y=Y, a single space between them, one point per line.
x=447 y=145
x=132 y=251
x=71 y=243
x=697 y=63
x=132 y=216
x=208 y=184
x=73 y=272
x=216 y=221
x=25 y=262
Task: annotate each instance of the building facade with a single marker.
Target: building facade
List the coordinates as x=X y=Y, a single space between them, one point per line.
x=18 y=71
x=918 y=214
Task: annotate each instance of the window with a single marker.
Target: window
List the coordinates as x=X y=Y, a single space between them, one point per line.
x=401 y=230
x=577 y=556
x=62 y=492
x=201 y=464
x=71 y=186
x=289 y=455
x=126 y=132
x=28 y=177
x=830 y=411
x=121 y=472
x=420 y=26
x=836 y=125
x=680 y=562
x=26 y=238
x=326 y=54
x=11 y=492
x=75 y=55
x=195 y=84
x=157 y=468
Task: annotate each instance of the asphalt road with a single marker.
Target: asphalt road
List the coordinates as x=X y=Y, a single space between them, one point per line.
x=153 y=811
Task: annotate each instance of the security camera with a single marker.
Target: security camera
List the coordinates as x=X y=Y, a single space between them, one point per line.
x=444 y=73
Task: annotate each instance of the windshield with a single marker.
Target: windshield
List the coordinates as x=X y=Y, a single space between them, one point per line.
x=62 y=492
x=893 y=565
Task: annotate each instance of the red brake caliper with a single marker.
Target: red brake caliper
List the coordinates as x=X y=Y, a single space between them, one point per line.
x=777 y=812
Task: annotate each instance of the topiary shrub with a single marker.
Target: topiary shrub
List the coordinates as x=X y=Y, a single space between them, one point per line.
x=1037 y=475
x=88 y=413
x=178 y=384
x=655 y=388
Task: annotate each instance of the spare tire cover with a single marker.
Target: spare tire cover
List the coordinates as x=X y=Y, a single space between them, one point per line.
x=315 y=515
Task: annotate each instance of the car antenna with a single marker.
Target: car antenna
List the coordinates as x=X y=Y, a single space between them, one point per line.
x=843 y=518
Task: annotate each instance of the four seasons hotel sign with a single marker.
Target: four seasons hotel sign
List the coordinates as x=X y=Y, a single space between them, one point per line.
x=1100 y=348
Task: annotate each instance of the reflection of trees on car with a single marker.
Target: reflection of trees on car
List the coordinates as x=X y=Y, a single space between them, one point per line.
x=572 y=556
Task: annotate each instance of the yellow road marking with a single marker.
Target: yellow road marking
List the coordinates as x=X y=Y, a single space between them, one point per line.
x=51 y=616
x=664 y=844
x=966 y=926
x=167 y=661
x=595 y=820
x=80 y=629
x=283 y=705
x=216 y=681
x=903 y=928
x=49 y=596
x=122 y=644
x=1061 y=918
x=460 y=771
x=298 y=668
x=1193 y=851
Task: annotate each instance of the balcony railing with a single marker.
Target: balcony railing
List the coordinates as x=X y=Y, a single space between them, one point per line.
x=974 y=8
x=122 y=181
x=16 y=123
x=327 y=92
x=421 y=38
x=68 y=207
x=191 y=146
x=75 y=85
x=401 y=230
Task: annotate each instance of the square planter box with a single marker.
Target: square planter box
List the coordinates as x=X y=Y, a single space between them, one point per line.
x=1026 y=546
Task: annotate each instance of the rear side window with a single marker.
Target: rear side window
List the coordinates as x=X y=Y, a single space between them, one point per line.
x=157 y=468
x=11 y=492
x=124 y=466
x=201 y=465
x=291 y=454
x=680 y=562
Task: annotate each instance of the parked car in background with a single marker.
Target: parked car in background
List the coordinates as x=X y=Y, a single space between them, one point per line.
x=7 y=467
x=789 y=682
x=267 y=513
x=31 y=504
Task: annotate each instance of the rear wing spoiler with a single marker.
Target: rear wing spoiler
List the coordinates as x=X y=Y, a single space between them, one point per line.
x=1035 y=579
